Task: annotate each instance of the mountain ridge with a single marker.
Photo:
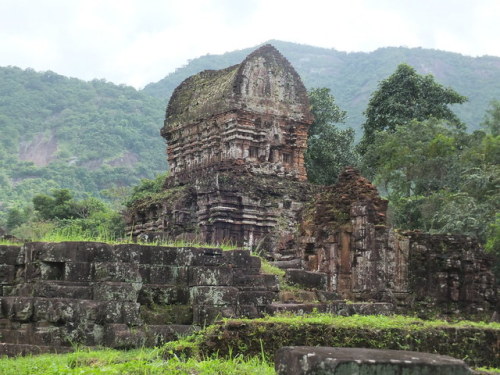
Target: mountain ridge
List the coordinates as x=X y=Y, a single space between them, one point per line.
x=61 y=132
x=353 y=76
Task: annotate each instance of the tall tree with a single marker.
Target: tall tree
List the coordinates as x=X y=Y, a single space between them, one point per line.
x=405 y=96
x=329 y=149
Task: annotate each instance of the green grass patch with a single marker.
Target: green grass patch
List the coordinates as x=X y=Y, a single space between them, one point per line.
x=9 y=243
x=142 y=361
x=473 y=342
x=72 y=234
x=369 y=321
x=267 y=268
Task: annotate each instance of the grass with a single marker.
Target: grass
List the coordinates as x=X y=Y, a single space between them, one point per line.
x=70 y=234
x=267 y=268
x=134 y=362
x=369 y=321
x=9 y=243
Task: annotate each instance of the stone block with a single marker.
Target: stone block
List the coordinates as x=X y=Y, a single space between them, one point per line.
x=131 y=313
x=150 y=255
x=163 y=295
x=145 y=273
x=102 y=252
x=108 y=312
x=256 y=282
x=123 y=272
x=62 y=289
x=307 y=279
x=7 y=273
x=51 y=270
x=208 y=257
x=204 y=315
x=14 y=350
x=17 y=308
x=9 y=254
x=168 y=275
x=120 y=336
x=242 y=259
x=58 y=252
x=116 y=291
x=257 y=298
x=209 y=275
x=167 y=314
x=214 y=295
x=128 y=253
x=58 y=311
x=249 y=311
x=83 y=332
x=77 y=271
x=302 y=360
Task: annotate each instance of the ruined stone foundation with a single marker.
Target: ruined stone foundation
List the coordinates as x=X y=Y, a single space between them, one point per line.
x=55 y=295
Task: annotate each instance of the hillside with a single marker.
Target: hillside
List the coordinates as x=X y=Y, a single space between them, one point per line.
x=352 y=77
x=64 y=132
x=60 y=132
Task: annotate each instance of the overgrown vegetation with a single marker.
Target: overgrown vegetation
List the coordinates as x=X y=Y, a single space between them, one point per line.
x=134 y=362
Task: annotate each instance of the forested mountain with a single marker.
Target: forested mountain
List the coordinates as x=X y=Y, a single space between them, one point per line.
x=352 y=77
x=60 y=132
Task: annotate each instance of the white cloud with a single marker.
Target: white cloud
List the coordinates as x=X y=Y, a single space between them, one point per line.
x=138 y=41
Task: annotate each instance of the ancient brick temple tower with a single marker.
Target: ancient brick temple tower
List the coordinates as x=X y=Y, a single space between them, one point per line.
x=253 y=115
x=235 y=141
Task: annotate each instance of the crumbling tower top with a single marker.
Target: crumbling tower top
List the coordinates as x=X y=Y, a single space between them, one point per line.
x=254 y=115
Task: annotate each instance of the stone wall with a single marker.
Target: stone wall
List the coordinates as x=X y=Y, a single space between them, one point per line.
x=54 y=295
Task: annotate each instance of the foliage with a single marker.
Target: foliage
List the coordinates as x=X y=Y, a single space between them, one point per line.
x=407 y=96
x=146 y=188
x=60 y=214
x=142 y=361
x=64 y=133
x=491 y=121
x=329 y=149
x=437 y=178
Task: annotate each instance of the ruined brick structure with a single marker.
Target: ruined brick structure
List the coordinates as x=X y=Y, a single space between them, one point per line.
x=346 y=247
x=236 y=139
x=54 y=295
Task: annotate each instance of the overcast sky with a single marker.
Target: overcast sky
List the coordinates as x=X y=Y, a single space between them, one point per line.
x=140 y=41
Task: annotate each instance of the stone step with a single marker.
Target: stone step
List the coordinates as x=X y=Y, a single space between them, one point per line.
x=307 y=279
x=12 y=350
x=287 y=264
x=62 y=310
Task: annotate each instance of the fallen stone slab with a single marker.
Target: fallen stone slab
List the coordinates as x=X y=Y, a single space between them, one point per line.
x=308 y=360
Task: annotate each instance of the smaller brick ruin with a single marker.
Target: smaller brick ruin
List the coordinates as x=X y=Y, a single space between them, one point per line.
x=346 y=247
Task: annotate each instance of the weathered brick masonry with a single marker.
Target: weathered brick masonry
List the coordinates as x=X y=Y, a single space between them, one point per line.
x=54 y=295
x=236 y=140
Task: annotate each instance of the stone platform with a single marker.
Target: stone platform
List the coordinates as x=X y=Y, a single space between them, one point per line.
x=55 y=295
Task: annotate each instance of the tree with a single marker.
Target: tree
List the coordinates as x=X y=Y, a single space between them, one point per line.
x=58 y=205
x=329 y=149
x=406 y=96
x=492 y=119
